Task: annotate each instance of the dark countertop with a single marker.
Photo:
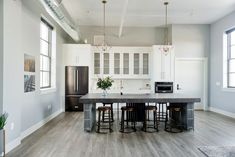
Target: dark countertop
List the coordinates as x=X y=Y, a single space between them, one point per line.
x=137 y=98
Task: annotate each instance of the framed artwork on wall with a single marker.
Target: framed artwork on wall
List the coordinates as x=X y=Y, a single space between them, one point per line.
x=29 y=63
x=29 y=83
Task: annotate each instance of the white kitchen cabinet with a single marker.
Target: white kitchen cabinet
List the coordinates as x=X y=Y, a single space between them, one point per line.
x=122 y=62
x=77 y=55
x=162 y=65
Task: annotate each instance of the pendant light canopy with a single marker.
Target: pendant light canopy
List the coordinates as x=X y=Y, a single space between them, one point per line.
x=167 y=47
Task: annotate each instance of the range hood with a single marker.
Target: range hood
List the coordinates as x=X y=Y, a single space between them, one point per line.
x=53 y=8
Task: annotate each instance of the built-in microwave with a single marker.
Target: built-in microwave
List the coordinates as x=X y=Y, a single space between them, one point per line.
x=163 y=87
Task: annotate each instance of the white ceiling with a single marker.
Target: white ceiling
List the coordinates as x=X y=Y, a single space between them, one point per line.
x=148 y=13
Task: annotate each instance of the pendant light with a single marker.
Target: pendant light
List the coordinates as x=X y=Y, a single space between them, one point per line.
x=166 y=48
x=104 y=46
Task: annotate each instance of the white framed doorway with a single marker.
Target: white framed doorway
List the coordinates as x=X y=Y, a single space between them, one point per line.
x=191 y=78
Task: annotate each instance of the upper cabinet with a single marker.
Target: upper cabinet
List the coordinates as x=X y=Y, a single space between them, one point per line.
x=162 y=65
x=122 y=62
x=77 y=55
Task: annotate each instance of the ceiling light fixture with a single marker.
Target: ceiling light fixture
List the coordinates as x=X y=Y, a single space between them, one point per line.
x=167 y=47
x=104 y=46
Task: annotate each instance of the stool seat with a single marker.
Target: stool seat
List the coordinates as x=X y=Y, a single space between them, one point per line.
x=125 y=108
x=104 y=108
x=151 y=108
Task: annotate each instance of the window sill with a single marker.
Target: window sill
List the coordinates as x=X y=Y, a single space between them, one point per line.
x=47 y=91
x=228 y=89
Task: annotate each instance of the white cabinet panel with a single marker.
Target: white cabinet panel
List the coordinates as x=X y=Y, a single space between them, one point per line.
x=162 y=66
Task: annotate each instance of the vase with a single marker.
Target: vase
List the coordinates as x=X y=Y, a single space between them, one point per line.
x=2 y=142
x=104 y=92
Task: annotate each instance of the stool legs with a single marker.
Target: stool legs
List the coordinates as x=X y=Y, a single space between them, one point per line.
x=100 y=122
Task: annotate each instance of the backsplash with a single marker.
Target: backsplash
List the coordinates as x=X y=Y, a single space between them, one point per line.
x=129 y=86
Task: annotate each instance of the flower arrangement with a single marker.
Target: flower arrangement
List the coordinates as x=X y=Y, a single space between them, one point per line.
x=105 y=83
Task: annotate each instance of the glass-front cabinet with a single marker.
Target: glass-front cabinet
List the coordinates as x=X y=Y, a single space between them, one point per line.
x=122 y=62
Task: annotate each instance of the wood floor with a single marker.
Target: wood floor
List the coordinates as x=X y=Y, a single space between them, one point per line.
x=64 y=137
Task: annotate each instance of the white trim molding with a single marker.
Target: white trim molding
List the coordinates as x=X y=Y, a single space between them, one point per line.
x=13 y=144
x=38 y=125
x=225 y=113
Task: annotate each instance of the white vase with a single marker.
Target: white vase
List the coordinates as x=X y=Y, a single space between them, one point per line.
x=2 y=142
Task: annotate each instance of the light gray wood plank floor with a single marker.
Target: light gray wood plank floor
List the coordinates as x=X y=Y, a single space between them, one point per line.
x=64 y=137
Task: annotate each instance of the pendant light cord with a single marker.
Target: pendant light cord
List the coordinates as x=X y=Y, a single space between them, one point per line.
x=166 y=29
x=104 y=2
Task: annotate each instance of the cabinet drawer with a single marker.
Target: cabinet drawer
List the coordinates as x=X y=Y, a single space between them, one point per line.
x=72 y=104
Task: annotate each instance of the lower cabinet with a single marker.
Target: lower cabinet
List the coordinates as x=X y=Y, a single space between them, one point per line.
x=72 y=103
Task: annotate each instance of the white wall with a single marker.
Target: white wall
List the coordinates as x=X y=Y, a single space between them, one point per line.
x=1 y=55
x=191 y=41
x=13 y=68
x=22 y=35
x=220 y=99
x=131 y=36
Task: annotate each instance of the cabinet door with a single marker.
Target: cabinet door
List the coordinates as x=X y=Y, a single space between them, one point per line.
x=136 y=63
x=126 y=63
x=106 y=63
x=96 y=63
x=145 y=63
x=116 y=63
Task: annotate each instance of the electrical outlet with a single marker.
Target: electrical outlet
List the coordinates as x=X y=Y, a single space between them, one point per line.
x=49 y=107
x=12 y=126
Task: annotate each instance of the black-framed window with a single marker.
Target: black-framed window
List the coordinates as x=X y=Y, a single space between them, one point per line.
x=231 y=58
x=45 y=54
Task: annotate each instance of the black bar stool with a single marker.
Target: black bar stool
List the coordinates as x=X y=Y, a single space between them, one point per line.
x=106 y=116
x=101 y=124
x=130 y=117
x=174 y=122
x=146 y=124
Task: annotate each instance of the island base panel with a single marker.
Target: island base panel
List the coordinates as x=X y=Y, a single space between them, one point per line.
x=89 y=117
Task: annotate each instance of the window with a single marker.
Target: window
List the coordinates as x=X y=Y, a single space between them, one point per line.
x=230 y=58
x=46 y=54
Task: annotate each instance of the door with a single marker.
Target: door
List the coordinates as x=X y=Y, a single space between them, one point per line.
x=82 y=80
x=70 y=80
x=190 y=79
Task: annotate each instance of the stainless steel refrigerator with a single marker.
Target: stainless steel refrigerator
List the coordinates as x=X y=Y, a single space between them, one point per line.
x=76 y=85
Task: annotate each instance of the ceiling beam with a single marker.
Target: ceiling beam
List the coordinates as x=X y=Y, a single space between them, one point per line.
x=123 y=17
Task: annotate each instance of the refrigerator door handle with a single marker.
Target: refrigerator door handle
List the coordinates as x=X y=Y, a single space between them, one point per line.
x=77 y=80
x=74 y=80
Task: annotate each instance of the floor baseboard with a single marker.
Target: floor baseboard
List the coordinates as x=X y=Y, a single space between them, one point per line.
x=225 y=113
x=13 y=144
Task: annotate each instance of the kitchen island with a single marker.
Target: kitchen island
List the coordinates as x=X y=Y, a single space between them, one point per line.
x=89 y=101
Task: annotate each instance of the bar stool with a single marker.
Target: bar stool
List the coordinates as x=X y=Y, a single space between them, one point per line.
x=100 y=124
x=154 y=126
x=130 y=117
x=106 y=116
x=174 y=123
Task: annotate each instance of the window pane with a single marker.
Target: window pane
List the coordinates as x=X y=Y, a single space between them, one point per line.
x=232 y=52
x=232 y=80
x=44 y=31
x=45 y=63
x=45 y=79
x=41 y=79
x=44 y=48
x=233 y=38
x=232 y=65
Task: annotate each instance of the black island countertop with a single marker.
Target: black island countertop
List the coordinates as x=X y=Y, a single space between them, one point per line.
x=137 y=98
